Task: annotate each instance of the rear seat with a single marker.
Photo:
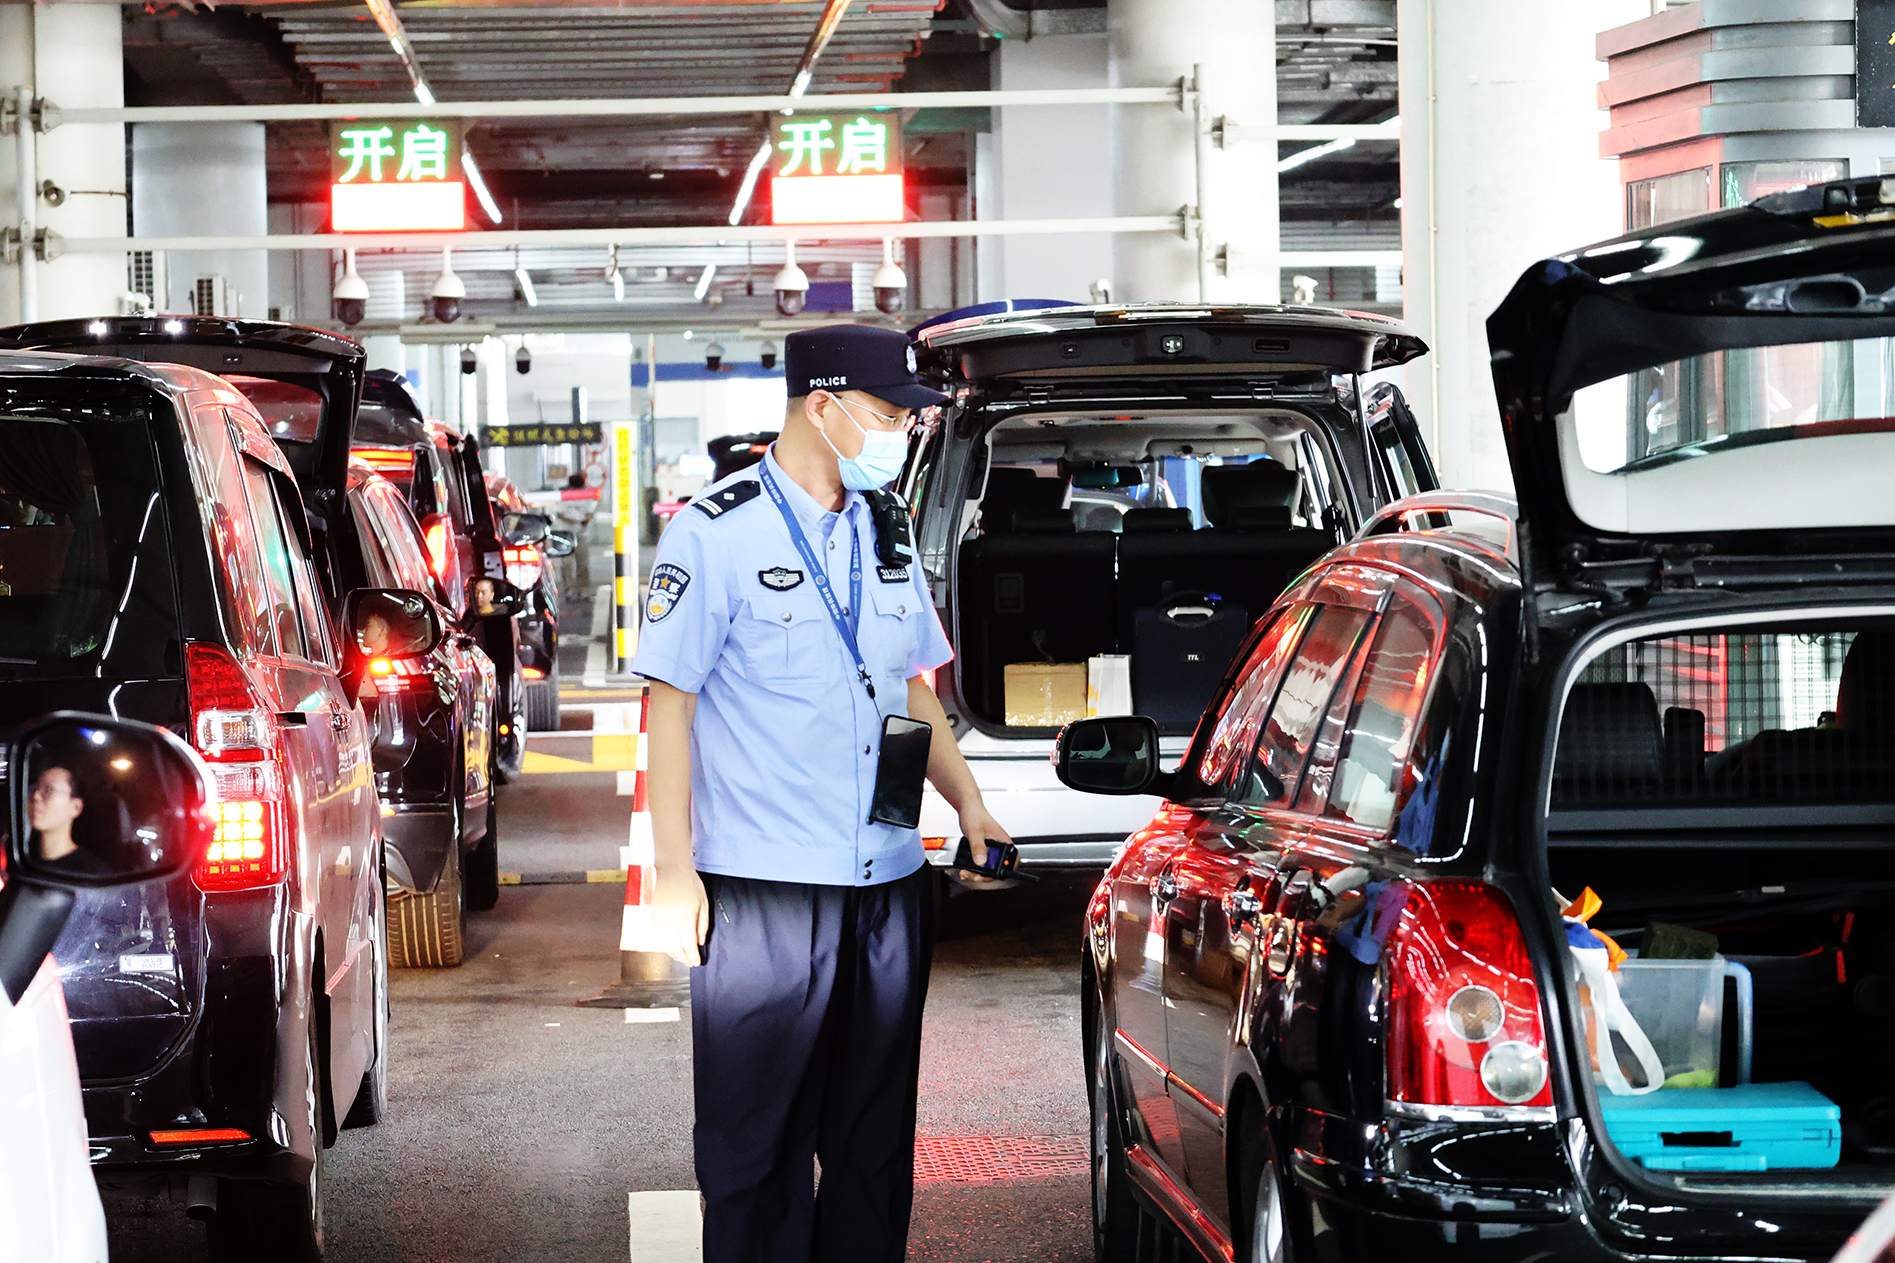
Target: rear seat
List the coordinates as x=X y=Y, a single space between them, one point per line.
x=1032 y=588
x=1611 y=745
x=1248 y=555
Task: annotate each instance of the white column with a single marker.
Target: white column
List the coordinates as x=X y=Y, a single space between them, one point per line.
x=387 y=300
x=1155 y=154
x=1051 y=163
x=72 y=55
x=205 y=180
x=1500 y=167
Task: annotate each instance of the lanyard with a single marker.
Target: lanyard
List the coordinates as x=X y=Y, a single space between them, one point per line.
x=844 y=628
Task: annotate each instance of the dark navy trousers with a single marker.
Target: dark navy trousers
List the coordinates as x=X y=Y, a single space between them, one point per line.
x=806 y=1035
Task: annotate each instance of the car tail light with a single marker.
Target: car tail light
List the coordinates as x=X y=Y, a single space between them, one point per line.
x=399 y=461
x=532 y=673
x=400 y=675
x=1465 y=1025
x=200 y=1136
x=523 y=566
x=238 y=739
x=435 y=532
x=934 y=844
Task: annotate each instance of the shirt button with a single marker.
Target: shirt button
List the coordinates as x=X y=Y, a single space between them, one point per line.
x=786 y=616
x=865 y=749
x=901 y=609
x=832 y=545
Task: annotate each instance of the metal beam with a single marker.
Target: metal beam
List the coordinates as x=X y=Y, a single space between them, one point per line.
x=630 y=106
x=715 y=233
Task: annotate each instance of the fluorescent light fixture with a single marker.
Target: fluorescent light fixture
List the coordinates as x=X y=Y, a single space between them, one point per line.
x=752 y=173
x=618 y=286
x=1314 y=152
x=423 y=93
x=487 y=205
x=837 y=199
x=398 y=207
x=526 y=287
x=801 y=84
x=704 y=282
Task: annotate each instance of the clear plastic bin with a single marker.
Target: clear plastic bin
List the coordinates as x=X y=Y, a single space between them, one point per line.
x=1680 y=1006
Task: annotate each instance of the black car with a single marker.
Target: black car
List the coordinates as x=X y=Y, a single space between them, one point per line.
x=437 y=469
x=158 y=564
x=1333 y=996
x=433 y=748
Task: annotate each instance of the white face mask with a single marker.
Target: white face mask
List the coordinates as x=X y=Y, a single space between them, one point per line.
x=881 y=458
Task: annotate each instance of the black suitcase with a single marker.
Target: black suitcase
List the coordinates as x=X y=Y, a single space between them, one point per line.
x=1180 y=651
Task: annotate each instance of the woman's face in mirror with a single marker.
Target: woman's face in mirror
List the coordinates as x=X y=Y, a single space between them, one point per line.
x=51 y=809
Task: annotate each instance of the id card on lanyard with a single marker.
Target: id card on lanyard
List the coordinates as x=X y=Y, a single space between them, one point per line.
x=901 y=764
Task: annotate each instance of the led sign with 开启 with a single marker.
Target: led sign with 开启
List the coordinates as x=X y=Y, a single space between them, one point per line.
x=836 y=169
x=394 y=175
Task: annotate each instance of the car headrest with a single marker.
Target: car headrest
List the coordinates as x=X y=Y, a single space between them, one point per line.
x=1865 y=694
x=1263 y=482
x=1156 y=521
x=1043 y=522
x=1010 y=489
x=1259 y=517
x=1609 y=738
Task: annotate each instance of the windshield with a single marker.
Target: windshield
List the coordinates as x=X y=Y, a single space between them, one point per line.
x=80 y=511
x=1736 y=397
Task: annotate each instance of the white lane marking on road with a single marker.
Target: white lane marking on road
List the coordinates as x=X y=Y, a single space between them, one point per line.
x=628 y=784
x=636 y=1016
x=594 y=677
x=665 y=1227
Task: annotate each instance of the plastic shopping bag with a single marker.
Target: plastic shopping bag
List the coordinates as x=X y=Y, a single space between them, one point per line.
x=1609 y=1014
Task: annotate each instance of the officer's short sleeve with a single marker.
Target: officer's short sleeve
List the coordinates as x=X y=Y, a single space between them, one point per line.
x=931 y=648
x=687 y=609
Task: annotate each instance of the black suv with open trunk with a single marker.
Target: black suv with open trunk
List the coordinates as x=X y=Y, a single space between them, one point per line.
x=1334 y=999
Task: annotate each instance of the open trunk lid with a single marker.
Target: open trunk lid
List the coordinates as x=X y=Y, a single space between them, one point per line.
x=1710 y=403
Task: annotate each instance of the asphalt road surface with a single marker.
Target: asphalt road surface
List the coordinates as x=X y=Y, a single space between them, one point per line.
x=525 y=1128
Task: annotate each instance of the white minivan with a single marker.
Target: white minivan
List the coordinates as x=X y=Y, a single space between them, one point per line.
x=96 y=807
x=1110 y=497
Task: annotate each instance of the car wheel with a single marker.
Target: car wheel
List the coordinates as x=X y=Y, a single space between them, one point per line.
x=1269 y=1233
x=371 y=1099
x=1116 y=1215
x=483 y=863
x=430 y=931
x=542 y=704
x=258 y=1219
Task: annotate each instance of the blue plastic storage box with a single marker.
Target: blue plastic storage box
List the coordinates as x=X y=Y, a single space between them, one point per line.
x=1750 y=1127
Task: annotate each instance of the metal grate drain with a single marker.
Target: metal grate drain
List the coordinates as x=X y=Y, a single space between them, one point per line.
x=986 y=1159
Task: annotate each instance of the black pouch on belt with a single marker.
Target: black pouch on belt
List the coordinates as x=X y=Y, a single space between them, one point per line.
x=899 y=772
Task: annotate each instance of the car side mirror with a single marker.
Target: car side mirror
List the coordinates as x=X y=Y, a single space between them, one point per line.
x=1118 y=755
x=385 y=626
x=492 y=598
x=94 y=802
x=559 y=543
x=520 y=529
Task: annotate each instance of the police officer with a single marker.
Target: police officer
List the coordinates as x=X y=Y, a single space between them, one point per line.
x=786 y=623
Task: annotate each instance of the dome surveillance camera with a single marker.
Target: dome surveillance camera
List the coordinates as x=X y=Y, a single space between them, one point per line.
x=449 y=289
x=889 y=282
x=714 y=356
x=469 y=361
x=767 y=356
x=523 y=361
x=791 y=284
x=350 y=294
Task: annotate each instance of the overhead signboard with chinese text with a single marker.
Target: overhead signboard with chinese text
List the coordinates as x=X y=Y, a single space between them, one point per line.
x=540 y=435
x=837 y=169
x=395 y=175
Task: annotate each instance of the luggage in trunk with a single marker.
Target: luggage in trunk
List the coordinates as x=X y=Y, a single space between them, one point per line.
x=1750 y=1127
x=1180 y=651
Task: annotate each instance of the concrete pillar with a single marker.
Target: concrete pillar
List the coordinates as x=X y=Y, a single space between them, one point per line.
x=72 y=55
x=387 y=300
x=1499 y=168
x=1051 y=163
x=202 y=180
x=1155 y=153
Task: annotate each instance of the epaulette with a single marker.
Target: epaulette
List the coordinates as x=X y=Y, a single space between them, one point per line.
x=719 y=503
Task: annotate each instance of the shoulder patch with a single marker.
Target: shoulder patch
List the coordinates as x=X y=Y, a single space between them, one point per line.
x=668 y=583
x=719 y=503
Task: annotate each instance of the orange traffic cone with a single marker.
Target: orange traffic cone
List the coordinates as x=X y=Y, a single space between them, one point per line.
x=648 y=979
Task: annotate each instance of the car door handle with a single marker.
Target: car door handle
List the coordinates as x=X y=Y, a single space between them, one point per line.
x=1242 y=907
x=1165 y=889
x=339 y=719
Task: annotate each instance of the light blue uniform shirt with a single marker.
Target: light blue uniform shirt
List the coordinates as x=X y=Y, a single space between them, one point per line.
x=785 y=739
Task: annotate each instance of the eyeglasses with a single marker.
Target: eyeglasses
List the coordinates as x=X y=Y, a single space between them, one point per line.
x=894 y=422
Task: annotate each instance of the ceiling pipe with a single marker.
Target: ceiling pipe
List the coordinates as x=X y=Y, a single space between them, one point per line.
x=390 y=22
x=826 y=25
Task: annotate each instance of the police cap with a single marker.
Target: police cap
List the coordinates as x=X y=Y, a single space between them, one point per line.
x=856 y=357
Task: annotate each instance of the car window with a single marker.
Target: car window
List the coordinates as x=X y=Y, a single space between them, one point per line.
x=280 y=587
x=394 y=526
x=1284 y=739
x=1244 y=708
x=376 y=566
x=1369 y=773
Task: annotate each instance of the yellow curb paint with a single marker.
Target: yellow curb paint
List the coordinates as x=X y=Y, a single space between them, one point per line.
x=509 y=879
x=605 y=874
x=533 y=761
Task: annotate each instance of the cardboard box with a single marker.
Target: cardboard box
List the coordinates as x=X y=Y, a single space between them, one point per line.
x=1044 y=694
x=1109 y=685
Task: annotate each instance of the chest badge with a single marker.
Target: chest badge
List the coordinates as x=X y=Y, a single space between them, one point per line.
x=892 y=574
x=779 y=579
x=668 y=583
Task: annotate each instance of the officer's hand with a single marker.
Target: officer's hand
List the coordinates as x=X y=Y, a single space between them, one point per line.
x=979 y=829
x=681 y=913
